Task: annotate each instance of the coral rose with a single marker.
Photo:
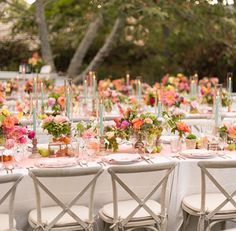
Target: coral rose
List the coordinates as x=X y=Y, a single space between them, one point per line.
x=137 y=123
x=61 y=101
x=183 y=127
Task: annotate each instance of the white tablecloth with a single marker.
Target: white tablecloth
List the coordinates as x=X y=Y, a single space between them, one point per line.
x=185 y=181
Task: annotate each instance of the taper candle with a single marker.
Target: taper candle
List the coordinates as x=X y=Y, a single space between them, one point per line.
x=101 y=117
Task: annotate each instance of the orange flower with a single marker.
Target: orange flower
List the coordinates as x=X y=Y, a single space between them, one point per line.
x=9 y=122
x=61 y=101
x=183 y=127
x=137 y=123
x=232 y=131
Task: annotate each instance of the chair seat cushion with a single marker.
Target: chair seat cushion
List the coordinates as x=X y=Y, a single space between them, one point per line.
x=4 y=222
x=126 y=207
x=212 y=201
x=49 y=213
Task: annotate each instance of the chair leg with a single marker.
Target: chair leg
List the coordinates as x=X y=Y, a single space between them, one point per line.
x=201 y=224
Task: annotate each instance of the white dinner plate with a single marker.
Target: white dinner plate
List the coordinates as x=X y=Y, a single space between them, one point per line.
x=198 y=153
x=122 y=158
x=59 y=162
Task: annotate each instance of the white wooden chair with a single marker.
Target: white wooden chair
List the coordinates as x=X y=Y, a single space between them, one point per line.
x=7 y=221
x=211 y=208
x=63 y=216
x=137 y=212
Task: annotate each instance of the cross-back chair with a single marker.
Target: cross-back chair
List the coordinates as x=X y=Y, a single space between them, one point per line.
x=137 y=212
x=7 y=221
x=211 y=208
x=63 y=216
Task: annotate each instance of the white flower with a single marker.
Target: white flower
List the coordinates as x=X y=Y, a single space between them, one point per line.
x=110 y=135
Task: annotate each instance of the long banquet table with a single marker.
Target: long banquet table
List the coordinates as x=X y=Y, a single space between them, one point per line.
x=185 y=180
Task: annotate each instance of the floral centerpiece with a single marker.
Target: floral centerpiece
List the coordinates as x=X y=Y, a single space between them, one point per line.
x=179 y=82
x=56 y=102
x=112 y=97
x=11 y=85
x=176 y=125
x=150 y=97
x=133 y=124
x=87 y=130
x=29 y=86
x=207 y=86
x=36 y=62
x=11 y=132
x=59 y=127
x=229 y=131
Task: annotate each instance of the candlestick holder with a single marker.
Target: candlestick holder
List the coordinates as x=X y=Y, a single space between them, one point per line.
x=102 y=146
x=34 y=153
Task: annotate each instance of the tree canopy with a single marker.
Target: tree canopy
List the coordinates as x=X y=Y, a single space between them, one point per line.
x=155 y=37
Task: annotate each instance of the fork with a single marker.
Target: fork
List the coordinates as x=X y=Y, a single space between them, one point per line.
x=147 y=159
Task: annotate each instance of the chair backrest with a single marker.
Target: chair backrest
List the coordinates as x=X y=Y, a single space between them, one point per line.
x=205 y=167
x=162 y=183
x=13 y=179
x=37 y=174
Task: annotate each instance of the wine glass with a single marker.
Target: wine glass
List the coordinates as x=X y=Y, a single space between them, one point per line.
x=150 y=143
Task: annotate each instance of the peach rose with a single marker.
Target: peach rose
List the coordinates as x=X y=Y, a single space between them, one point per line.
x=181 y=126
x=232 y=131
x=9 y=122
x=61 y=101
x=137 y=123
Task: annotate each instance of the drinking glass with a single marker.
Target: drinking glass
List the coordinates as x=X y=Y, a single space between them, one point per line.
x=175 y=144
x=150 y=143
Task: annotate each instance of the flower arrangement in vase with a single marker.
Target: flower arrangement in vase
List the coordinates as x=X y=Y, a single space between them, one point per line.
x=56 y=101
x=60 y=129
x=11 y=132
x=176 y=125
x=207 y=86
x=36 y=62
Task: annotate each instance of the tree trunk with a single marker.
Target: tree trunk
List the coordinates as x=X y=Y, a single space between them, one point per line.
x=77 y=60
x=43 y=35
x=104 y=50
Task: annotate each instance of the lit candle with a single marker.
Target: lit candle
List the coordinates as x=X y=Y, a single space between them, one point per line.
x=101 y=117
x=139 y=92
x=127 y=79
x=230 y=86
x=85 y=91
x=94 y=85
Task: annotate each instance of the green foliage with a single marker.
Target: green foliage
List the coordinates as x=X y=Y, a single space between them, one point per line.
x=57 y=129
x=191 y=137
x=159 y=37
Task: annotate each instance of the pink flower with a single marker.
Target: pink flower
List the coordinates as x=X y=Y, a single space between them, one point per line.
x=2 y=99
x=60 y=119
x=48 y=119
x=124 y=124
x=114 y=94
x=170 y=97
x=22 y=140
x=31 y=135
x=9 y=143
x=88 y=134
x=51 y=102
x=148 y=121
